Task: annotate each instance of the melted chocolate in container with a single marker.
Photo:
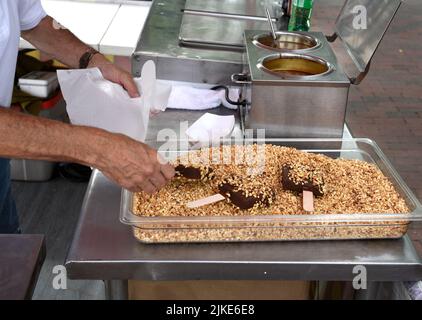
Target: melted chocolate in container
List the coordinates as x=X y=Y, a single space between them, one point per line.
x=307 y=185
x=239 y=198
x=194 y=173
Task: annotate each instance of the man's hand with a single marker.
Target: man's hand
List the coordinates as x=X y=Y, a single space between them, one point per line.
x=114 y=74
x=133 y=165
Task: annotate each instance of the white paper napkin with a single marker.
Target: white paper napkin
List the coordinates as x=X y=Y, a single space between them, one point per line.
x=211 y=127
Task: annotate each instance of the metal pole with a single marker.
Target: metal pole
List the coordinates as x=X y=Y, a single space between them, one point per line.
x=116 y=289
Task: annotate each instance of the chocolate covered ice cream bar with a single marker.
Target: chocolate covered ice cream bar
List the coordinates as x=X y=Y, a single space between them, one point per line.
x=245 y=194
x=298 y=182
x=194 y=173
x=303 y=180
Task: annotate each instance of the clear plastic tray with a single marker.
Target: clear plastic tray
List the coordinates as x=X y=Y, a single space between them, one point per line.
x=286 y=227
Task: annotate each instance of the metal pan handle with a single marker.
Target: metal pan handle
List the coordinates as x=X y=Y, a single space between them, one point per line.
x=240 y=78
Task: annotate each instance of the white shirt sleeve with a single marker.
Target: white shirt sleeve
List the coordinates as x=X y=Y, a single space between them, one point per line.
x=31 y=13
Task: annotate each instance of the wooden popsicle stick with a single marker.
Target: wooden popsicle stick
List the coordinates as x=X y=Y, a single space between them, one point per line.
x=308 y=201
x=205 y=201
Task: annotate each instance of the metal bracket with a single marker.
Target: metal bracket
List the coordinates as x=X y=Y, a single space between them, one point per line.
x=240 y=78
x=357 y=80
x=332 y=38
x=227 y=96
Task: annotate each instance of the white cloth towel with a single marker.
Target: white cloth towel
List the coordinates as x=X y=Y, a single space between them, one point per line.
x=190 y=98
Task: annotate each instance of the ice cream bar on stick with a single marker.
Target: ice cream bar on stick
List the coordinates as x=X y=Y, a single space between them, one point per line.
x=308 y=182
x=237 y=198
x=246 y=192
x=194 y=173
x=239 y=193
x=242 y=198
x=205 y=201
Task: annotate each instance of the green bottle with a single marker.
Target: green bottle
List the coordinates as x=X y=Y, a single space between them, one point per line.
x=300 y=18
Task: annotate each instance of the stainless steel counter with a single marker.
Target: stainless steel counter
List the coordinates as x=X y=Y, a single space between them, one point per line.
x=213 y=54
x=171 y=119
x=159 y=42
x=103 y=248
x=220 y=23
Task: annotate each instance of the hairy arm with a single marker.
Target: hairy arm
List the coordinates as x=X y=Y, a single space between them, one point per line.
x=133 y=165
x=31 y=137
x=64 y=46
x=61 y=44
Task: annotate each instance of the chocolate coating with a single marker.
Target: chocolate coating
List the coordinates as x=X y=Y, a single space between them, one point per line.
x=239 y=198
x=289 y=184
x=193 y=172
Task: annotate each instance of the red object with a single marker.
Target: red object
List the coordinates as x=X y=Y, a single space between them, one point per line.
x=51 y=103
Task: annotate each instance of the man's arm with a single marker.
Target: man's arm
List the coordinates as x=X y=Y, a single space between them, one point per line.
x=68 y=49
x=133 y=165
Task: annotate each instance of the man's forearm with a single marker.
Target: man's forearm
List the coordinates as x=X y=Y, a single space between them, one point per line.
x=59 y=43
x=133 y=165
x=67 y=48
x=29 y=137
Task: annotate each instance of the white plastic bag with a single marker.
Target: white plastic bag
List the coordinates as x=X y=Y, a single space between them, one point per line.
x=154 y=93
x=93 y=101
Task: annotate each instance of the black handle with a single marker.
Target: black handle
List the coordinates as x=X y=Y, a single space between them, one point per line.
x=226 y=89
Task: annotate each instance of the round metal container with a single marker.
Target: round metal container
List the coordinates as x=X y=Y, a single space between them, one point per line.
x=295 y=66
x=286 y=41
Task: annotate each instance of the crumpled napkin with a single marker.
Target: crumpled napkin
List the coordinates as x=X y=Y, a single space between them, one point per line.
x=210 y=127
x=94 y=101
